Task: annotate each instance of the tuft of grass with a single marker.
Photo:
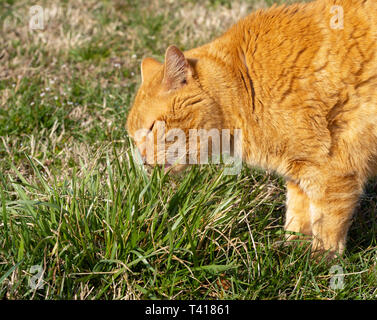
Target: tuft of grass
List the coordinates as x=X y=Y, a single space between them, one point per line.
x=75 y=205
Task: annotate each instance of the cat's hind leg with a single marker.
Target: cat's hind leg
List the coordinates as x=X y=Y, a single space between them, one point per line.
x=331 y=213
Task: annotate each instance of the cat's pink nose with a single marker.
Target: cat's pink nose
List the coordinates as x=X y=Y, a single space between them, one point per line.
x=167 y=166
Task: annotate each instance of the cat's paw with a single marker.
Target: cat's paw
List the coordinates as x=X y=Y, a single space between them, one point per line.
x=321 y=251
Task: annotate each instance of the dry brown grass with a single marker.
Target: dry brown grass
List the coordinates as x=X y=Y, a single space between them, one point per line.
x=47 y=54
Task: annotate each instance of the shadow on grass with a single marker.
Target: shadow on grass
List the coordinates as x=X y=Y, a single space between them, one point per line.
x=363 y=231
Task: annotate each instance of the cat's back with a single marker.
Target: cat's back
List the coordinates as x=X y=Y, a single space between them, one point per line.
x=315 y=61
x=321 y=44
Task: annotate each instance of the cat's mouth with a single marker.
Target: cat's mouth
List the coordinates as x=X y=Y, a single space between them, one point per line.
x=173 y=168
x=167 y=166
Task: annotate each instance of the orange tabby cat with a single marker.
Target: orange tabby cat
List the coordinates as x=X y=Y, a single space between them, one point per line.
x=300 y=81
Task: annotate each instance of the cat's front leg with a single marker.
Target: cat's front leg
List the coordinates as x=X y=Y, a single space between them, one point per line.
x=297 y=219
x=331 y=210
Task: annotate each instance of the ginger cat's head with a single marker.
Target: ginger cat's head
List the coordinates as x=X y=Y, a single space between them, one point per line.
x=170 y=102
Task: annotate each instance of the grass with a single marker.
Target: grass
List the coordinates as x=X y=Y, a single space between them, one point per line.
x=74 y=203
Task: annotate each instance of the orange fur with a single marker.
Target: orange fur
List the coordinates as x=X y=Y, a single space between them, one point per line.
x=303 y=93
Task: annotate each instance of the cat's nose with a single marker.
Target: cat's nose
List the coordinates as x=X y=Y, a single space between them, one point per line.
x=142 y=155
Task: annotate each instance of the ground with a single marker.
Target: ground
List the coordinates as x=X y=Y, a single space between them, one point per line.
x=77 y=213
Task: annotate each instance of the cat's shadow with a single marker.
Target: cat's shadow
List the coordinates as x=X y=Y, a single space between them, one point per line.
x=363 y=231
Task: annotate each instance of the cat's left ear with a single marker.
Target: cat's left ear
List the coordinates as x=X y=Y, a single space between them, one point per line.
x=148 y=66
x=177 y=70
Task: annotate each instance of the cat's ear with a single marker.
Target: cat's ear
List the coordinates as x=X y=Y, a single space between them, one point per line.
x=177 y=69
x=148 y=67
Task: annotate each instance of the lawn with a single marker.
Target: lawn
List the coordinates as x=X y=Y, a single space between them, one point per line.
x=80 y=219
